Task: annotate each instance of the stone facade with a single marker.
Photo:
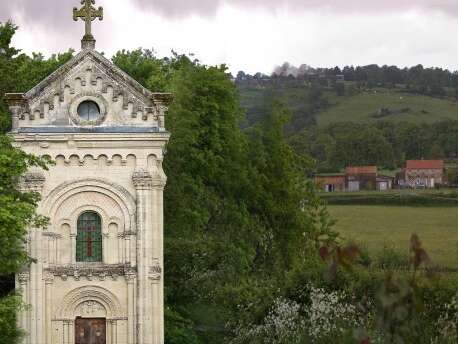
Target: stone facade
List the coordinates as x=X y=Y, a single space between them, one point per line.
x=111 y=165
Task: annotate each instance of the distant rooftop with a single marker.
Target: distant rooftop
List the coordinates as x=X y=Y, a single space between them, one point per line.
x=352 y=170
x=425 y=164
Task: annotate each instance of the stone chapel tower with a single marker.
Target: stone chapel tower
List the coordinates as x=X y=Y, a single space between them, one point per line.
x=98 y=276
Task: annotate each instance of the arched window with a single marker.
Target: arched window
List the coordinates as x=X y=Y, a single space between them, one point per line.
x=89 y=238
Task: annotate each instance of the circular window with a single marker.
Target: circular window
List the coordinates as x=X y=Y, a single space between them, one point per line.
x=88 y=111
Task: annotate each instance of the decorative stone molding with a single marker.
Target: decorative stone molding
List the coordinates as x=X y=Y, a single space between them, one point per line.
x=16 y=103
x=155 y=272
x=23 y=277
x=142 y=179
x=48 y=278
x=79 y=296
x=90 y=308
x=126 y=234
x=32 y=182
x=130 y=277
x=52 y=235
x=88 y=96
x=90 y=271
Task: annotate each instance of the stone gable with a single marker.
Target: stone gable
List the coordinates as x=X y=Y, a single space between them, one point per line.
x=88 y=76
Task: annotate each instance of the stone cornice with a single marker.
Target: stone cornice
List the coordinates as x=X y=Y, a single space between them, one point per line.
x=93 y=137
x=91 y=271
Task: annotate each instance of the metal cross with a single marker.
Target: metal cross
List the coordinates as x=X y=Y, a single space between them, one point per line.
x=88 y=13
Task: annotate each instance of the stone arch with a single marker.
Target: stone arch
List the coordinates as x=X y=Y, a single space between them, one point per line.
x=74 y=299
x=95 y=208
x=117 y=193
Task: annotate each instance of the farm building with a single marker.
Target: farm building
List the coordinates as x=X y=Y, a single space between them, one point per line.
x=384 y=183
x=330 y=182
x=361 y=178
x=422 y=174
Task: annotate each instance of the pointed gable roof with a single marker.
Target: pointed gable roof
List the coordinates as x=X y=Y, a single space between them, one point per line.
x=115 y=72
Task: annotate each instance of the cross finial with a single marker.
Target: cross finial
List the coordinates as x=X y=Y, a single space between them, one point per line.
x=88 y=13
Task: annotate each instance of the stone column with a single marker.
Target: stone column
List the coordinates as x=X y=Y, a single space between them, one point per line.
x=114 y=332
x=67 y=332
x=142 y=181
x=73 y=248
x=34 y=182
x=108 y=337
x=157 y=262
x=22 y=284
x=49 y=280
x=130 y=279
x=16 y=103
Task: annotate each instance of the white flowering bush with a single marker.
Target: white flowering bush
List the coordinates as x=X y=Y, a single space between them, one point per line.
x=283 y=325
x=448 y=323
x=329 y=313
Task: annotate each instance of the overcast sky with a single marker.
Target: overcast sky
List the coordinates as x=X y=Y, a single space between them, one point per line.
x=253 y=35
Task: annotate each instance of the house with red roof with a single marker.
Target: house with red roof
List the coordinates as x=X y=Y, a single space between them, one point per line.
x=361 y=178
x=422 y=174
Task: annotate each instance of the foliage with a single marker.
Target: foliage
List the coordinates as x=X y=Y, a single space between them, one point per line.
x=243 y=221
x=448 y=323
x=178 y=330
x=10 y=332
x=21 y=72
x=17 y=209
x=224 y=221
x=384 y=144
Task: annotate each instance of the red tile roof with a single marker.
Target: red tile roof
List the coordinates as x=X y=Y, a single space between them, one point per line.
x=352 y=170
x=425 y=165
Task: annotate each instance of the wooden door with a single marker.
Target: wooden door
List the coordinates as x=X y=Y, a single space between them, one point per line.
x=90 y=331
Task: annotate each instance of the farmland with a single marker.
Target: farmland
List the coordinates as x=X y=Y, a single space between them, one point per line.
x=377 y=226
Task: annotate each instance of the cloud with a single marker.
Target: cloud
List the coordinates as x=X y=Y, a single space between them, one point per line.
x=180 y=8
x=56 y=14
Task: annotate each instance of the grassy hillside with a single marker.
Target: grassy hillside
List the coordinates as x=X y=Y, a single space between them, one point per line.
x=402 y=107
x=361 y=107
x=378 y=226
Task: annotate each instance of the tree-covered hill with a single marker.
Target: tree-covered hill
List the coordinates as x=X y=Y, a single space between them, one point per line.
x=361 y=121
x=362 y=105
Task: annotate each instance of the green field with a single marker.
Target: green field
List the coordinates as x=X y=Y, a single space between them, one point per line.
x=361 y=108
x=376 y=226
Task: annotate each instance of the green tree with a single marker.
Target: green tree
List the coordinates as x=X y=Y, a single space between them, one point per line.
x=17 y=209
x=17 y=213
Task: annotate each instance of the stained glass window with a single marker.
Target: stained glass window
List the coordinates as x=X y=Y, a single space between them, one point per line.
x=89 y=238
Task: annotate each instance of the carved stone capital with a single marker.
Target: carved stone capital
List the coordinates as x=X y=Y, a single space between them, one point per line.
x=32 y=182
x=23 y=277
x=142 y=180
x=155 y=272
x=15 y=99
x=130 y=277
x=52 y=235
x=48 y=278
